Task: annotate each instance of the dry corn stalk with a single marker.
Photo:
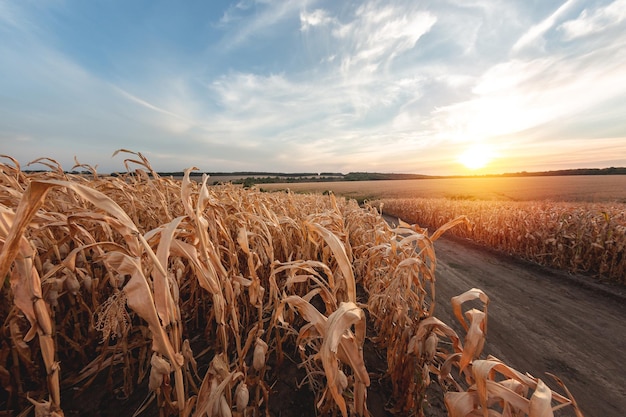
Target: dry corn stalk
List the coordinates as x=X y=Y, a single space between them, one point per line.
x=160 y=266
x=26 y=287
x=339 y=345
x=587 y=237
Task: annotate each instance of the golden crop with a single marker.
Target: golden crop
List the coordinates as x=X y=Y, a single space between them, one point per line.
x=577 y=237
x=146 y=279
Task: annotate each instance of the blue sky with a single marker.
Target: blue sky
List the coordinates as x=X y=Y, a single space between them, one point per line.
x=309 y=86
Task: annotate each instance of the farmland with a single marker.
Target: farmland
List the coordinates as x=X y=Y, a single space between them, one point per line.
x=576 y=237
x=575 y=223
x=590 y=188
x=193 y=298
x=558 y=221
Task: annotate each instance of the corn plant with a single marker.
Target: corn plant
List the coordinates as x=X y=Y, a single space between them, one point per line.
x=577 y=237
x=193 y=292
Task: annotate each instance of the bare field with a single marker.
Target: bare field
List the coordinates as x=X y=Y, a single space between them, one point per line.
x=593 y=188
x=213 y=178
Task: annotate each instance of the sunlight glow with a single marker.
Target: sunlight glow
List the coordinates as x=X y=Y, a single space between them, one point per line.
x=476 y=156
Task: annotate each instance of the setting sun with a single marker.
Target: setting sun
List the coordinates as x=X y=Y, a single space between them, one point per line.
x=476 y=156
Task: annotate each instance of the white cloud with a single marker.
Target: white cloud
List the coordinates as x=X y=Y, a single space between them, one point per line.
x=594 y=21
x=533 y=37
x=503 y=78
x=320 y=121
x=517 y=95
x=317 y=17
x=377 y=35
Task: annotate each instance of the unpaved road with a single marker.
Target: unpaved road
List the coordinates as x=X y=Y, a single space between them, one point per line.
x=542 y=320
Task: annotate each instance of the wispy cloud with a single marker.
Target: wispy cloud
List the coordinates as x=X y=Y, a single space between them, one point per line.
x=318 y=17
x=172 y=122
x=378 y=34
x=533 y=37
x=232 y=13
x=256 y=17
x=593 y=21
x=522 y=94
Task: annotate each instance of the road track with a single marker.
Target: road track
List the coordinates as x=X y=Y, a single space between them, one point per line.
x=543 y=320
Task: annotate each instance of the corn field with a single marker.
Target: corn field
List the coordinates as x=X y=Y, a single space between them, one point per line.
x=193 y=293
x=576 y=237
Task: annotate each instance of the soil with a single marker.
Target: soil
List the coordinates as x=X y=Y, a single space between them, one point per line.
x=540 y=320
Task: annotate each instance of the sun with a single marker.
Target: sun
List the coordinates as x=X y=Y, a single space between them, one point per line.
x=476 y=156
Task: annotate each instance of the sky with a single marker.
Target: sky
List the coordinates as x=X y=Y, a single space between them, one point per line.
x=430 y=87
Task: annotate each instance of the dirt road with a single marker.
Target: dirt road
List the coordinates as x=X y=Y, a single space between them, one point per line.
x=542 y=320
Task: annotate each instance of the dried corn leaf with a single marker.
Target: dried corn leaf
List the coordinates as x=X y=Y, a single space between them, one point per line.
x=460 y=404
x=339 y=250
x=459 y=300
x=541 y=401
x=139 y=298
x=31 y=201
x=165 y=305
x=475 y=337
x=338 y=331
x=454 y=222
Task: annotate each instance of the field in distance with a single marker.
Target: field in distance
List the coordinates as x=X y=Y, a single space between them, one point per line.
x=592 y=188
